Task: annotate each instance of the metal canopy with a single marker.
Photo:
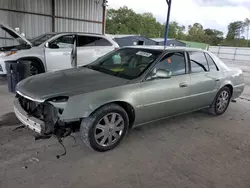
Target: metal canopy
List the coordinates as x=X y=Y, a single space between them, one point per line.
x=169 y=2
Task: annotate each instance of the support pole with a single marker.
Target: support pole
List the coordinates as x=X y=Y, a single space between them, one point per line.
x=169 y=2
x=104 y=11
x=53 y=16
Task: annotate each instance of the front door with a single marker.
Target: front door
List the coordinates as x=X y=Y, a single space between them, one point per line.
x=58 y=53
x=163 y=97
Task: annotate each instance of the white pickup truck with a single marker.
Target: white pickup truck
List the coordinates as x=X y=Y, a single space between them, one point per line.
x=52 y=51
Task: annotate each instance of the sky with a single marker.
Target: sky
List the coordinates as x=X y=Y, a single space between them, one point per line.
x=215 y=14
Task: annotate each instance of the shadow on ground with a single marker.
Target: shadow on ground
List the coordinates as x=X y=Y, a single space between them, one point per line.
x=9 y=119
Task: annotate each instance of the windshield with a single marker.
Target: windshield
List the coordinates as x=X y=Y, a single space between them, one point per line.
x=127 y=63
x=41 y=39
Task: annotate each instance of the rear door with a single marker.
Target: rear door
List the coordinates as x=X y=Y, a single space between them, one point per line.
x=203 y=82
x=103 y=46
x=89 y=48
x=58 y=53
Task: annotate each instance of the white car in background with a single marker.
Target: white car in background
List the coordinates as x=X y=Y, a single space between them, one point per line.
x=53 y=51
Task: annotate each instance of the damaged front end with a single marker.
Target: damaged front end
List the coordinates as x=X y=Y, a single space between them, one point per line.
x=44 y=117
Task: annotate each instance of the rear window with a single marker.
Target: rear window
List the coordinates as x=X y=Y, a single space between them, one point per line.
x=85 y=41
x=211 y=63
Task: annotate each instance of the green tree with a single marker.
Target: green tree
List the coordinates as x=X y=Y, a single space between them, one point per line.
x=196 y=33
x=176 y=30
x=247 y=25
x=215 y=37
x=126 y=21
x=234 y=30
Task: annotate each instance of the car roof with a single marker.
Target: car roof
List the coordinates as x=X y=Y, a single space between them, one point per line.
x=155 y=47
x=59 y=33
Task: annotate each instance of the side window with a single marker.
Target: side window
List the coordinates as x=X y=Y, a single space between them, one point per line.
x=174 y=62
x=211 y=63
x=84 y=41
x=65 y=41
x=102 y=42
x=198 y=62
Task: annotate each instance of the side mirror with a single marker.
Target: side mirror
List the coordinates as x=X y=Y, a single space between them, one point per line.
x=51 y=45
x=160 y=74
x=46 y=45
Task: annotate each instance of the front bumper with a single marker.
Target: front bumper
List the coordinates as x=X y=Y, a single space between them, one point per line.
x=31 y=122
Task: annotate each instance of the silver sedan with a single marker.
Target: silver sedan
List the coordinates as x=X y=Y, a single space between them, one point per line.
x=126 y=88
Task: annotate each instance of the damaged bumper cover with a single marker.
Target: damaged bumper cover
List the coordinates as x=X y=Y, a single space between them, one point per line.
x=31 y=122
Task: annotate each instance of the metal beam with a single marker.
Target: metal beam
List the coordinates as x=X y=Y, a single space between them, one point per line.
x=53 y=16
x=49 y=15
x=169 y=2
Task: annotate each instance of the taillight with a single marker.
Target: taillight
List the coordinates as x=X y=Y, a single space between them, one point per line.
x=116 y=48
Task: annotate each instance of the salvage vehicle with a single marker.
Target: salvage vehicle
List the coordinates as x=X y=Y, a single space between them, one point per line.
x=53 y=51
x=125 y=88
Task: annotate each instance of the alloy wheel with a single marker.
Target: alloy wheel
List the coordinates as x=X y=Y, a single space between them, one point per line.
x=222 y=101
x=109 y=129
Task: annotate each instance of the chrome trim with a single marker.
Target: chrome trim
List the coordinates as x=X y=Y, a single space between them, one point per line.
x=30 y=98
x=31 y=122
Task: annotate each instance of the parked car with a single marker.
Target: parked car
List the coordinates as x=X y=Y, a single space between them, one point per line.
x=126 y=88
x=52 y=51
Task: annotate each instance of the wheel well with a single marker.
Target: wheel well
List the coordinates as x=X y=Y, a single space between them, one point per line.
x=230 y=87
x=127 y=107
x=130 y=111
x=37 y=60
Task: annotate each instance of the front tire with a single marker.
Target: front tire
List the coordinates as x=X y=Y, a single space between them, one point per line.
x=35 y=68
x=221 y=102
x=105 y=128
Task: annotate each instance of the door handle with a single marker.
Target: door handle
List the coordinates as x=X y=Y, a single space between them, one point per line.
x=184 y=84
x=217 y=80
x=66 y=53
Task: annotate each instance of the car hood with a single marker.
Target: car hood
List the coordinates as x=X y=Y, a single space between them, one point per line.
x=14 y=34
x=66 y=83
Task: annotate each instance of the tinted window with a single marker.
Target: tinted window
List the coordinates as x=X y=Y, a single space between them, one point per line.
x=198 y=62
x=102 y=42
x=127 y=63
x=65 y=41
x=83 y=41
x=174 y=62
x=212 y=66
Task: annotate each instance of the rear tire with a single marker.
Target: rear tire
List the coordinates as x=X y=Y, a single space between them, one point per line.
x=221 y=102
x=105 y=128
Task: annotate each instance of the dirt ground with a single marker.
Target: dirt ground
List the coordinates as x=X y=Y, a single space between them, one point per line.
x=192 y=151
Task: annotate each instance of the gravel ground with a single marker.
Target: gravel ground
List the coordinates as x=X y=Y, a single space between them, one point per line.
x=193 y=150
